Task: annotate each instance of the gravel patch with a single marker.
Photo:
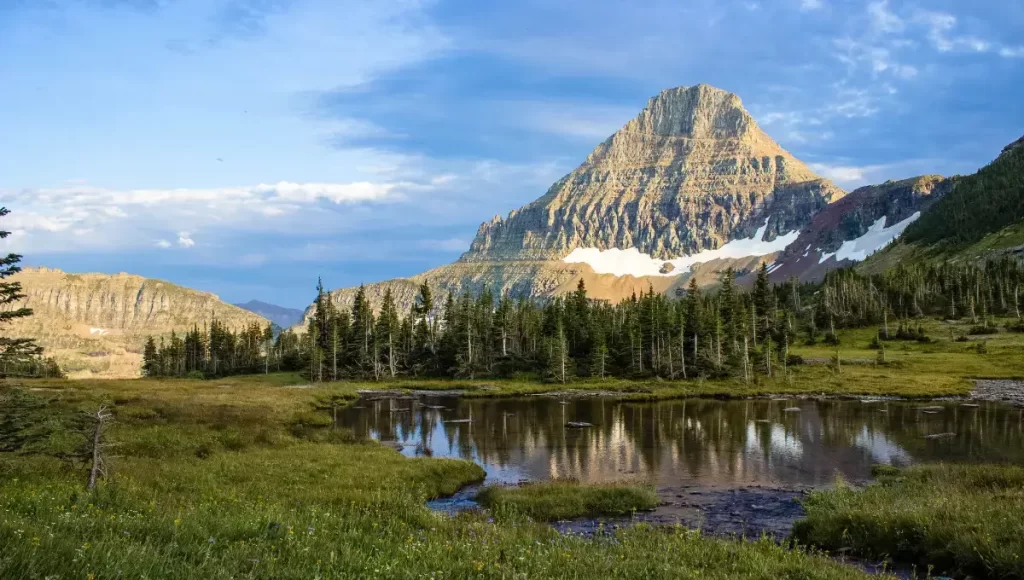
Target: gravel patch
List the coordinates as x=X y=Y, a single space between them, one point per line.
x=1000 y=390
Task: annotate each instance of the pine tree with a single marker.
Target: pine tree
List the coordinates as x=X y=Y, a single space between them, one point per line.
x=598 y=353
x=386 y=335
x=13 y=351
x=150 y=362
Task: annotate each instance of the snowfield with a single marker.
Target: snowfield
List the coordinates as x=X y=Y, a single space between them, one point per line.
x=632 y=263
x=876 y=238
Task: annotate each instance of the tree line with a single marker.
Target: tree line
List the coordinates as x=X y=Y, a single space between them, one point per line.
x=979 y=204
x=731 y=331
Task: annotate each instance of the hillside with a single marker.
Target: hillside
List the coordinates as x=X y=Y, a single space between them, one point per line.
x=858 y=225
x=981 y=218
x=980 y=204
x=95 y=324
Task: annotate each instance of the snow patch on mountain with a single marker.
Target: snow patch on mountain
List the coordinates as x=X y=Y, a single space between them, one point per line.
x=876 y=238
x=630 y=262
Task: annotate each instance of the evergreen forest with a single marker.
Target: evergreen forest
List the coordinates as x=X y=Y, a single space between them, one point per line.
x=729 y=332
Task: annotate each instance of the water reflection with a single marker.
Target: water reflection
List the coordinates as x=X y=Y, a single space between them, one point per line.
x=699 y=442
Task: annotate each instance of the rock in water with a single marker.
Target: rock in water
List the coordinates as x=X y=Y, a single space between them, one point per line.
x=578 y=425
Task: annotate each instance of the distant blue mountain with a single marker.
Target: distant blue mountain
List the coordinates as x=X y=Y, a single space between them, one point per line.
x=279 y=315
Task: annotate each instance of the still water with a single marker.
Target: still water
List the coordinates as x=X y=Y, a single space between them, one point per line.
x=697 y=442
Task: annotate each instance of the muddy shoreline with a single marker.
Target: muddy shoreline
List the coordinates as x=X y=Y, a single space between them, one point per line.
x=749 y=511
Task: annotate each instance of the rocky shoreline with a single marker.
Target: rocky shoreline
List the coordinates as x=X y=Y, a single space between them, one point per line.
x=999 y=390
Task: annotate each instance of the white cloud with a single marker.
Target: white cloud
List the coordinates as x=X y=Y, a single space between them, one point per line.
x=853 y=103
x=941 y=24
x=850 y=176
x=810 y=4
x=593 y=123
x=1012 y=52
x=845 y=174
x=126 y=217
x=449 y=245
x=883 y=20
x=335 y=192
x=878 y=59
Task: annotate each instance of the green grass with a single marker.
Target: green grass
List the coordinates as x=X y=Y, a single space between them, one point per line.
x=563 y=500
x=965 y=520
x=942 y=367
x=243 y=478
x=246 y=477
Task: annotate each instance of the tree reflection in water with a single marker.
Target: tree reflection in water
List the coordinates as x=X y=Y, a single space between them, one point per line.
x=696 y=441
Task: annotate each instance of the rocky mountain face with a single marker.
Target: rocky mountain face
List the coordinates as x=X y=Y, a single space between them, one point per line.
x=95 y=325
x=279 y=315
x=856 y=226
x=691 y=172
x=691 y=179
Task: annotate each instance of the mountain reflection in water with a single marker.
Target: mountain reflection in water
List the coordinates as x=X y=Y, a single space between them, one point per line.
x=701 y=442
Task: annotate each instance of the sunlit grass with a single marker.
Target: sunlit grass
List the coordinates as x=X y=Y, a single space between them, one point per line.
x=966 y=520
x=562 y=500
x=248 y=479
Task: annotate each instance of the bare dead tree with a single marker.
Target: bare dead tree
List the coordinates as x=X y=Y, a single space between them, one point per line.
x=98 y=446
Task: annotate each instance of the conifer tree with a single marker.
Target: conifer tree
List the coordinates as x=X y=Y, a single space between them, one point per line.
x=13 y=351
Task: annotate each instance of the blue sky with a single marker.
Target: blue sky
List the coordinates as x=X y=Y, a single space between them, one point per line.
x=246 y=147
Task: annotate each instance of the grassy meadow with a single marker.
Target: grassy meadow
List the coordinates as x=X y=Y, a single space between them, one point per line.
x=247 y=477
x=563 y=500
x=964 y=520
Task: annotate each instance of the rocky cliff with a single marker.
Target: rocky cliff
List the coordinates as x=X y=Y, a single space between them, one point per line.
x=691 y=172
x=95 y=324
x=858 y=225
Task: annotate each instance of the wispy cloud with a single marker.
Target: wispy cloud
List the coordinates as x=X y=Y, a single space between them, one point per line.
x=448 y=245
x=883 y=19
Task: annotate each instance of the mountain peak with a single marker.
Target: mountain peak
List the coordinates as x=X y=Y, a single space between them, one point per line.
x=697 y=112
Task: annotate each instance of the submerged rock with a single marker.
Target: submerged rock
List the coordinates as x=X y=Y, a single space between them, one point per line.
x=578 y=425
x=940 y=436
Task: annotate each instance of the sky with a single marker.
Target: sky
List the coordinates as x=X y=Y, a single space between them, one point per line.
x=248 y=147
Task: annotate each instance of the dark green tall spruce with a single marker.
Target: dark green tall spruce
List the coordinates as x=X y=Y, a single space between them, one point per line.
x=731 y=332
x=18 y=356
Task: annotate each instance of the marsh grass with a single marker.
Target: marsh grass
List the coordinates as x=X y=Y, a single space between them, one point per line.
x=244 y=478
x=963 y=520
x=568 y=499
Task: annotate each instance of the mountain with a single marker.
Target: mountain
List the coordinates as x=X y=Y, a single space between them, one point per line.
x=856 y=226
x=690 y=173
x=689 y=187
x=982 y=217
x=279 y=315
x=95 y=325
